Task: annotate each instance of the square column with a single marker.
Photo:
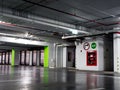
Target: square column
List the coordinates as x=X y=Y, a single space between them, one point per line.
x=15 y=57
x=116 y=47
x=46 y=56
x=30 y=58
x=38 y=58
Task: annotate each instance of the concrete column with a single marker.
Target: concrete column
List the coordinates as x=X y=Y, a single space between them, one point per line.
x=15 y=57
x=59 y=57
x=38 y=58
x=64 y=56
x=30 y=58
x=46 y=56
x=116 y=44
x=52 y=55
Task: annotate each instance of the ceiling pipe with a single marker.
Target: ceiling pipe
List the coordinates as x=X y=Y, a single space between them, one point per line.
x=60 y=11
x=44 y=21
x=81 y=37
x=100 y=19
x=20 y=36
x=104 y=18
x=91 y=35
x=109 y=17
x=115 y=23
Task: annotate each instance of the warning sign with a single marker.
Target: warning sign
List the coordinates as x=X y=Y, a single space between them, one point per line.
x=86 y=46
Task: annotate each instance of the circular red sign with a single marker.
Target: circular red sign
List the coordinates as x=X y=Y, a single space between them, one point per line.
x=86 y=46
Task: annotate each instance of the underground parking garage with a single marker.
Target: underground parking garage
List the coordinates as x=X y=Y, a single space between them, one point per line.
x=59 y=44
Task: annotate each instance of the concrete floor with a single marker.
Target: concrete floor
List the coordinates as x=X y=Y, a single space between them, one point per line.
x=36 y=78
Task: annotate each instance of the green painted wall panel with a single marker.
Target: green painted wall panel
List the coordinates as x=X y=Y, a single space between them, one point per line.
x=13 y=57
x=46 y=56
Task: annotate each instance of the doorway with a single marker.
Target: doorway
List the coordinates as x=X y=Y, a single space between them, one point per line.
x=108 y=53
x=70 y=62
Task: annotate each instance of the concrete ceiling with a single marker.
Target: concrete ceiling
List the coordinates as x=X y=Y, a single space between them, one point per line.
x=98 y=15
x=4 y=46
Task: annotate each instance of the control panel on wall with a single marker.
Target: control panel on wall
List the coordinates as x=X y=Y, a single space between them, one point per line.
x=91 y=58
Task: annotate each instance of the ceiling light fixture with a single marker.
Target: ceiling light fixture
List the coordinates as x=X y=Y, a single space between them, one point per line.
x=74 y=31
x=26 y=34
x=117 y=28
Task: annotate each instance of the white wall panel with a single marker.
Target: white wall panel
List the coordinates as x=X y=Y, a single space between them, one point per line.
x=81 y=56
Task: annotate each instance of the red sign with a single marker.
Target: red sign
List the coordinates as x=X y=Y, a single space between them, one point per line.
x=91 y=58
x=86 y=46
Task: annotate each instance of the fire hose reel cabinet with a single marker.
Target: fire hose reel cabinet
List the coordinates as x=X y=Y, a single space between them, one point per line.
x=91 y=58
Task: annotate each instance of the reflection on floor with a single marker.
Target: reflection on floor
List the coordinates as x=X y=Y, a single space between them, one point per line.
x=36 y=78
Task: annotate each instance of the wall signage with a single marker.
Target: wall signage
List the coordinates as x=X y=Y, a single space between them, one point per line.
x=93 y=45
x=86 y=46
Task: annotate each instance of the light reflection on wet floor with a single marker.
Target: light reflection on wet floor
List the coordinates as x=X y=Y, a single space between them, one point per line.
x=36 y=78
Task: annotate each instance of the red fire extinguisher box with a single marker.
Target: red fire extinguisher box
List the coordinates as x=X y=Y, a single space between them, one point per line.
x=91 y=58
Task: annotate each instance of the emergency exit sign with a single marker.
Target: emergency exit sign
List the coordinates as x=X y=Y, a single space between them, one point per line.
x=93 y=45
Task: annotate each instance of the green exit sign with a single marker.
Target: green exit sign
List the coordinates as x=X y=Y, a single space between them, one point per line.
x=93 y=45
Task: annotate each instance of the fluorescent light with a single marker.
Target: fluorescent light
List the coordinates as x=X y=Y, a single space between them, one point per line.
x=73 y=31
x=3 y=22
x=116 y=28
x=26 y=34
